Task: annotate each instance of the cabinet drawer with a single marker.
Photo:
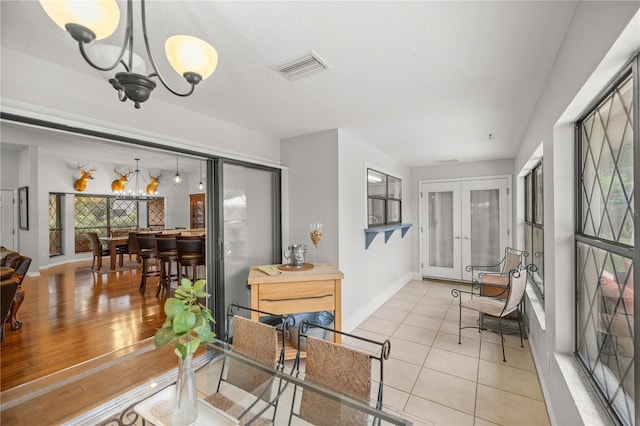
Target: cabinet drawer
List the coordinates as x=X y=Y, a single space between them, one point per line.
x=290 y=298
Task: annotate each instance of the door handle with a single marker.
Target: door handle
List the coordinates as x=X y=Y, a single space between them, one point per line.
x=466 y=238
x=457 y=237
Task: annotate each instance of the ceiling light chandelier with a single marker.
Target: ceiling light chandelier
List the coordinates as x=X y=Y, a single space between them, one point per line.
x=191 y=57
x=201 y=184
x=134 y=191
x=177 y=179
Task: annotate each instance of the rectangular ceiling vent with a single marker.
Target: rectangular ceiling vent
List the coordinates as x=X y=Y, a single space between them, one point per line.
x=301 y=67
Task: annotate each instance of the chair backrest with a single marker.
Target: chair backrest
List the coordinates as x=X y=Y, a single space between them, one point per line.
x=188 y=244
x=119 y=232
x=96 y=247
x=513 y=259
x=166 y=243
x=256 y=341
x=146 y=241
x=133 y=243
x=340 y=369
x=517 y=286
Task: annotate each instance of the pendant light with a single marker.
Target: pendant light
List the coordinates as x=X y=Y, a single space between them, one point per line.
x=177 y=179
x=201 y=185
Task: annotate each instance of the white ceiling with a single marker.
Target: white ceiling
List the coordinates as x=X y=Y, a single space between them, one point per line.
x=423 y=81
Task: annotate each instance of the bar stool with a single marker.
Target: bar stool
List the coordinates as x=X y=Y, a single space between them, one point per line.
x=190 y=254
x=148 y=253
x=167 y=250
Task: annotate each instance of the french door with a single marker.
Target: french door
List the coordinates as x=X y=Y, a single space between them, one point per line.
x=463 y=223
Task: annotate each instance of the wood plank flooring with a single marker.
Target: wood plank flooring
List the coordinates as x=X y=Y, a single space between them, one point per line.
x=71 y=314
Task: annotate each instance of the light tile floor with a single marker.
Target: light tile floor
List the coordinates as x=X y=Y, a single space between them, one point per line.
x=436 y=381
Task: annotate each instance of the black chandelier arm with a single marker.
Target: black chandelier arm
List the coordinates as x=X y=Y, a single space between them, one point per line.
x=156 y=72
x=128 y=40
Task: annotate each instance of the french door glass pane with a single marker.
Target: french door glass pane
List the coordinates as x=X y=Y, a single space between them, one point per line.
x=440 y=229
x=485 y=227
x=248 y=227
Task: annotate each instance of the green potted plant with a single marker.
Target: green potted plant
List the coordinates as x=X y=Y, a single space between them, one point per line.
x=188 y=324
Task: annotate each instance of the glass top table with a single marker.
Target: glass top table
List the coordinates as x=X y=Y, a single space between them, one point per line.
x=116 y=389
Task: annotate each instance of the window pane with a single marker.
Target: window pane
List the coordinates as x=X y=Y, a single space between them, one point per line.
x=485 y=227
x=395 y=187
x=528 y=193
x=376 y=211
x=155 y=214
x=607 y=169
x=393 y=211
x=376 y=183
x=91 y=215
x=537 y=195
x=55 y=224
x=605 y=324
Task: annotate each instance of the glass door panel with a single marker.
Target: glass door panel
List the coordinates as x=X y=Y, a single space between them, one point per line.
x=442 y=238
x=249 y=234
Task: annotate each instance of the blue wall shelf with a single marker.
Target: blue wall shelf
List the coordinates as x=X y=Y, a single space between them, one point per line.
x=371 y=233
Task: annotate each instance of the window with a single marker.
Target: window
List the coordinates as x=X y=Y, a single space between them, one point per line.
x=55 y=224
x=384 y=199
x=101 y=214
x=605 y=245
x=533 y=225
x=155 y=214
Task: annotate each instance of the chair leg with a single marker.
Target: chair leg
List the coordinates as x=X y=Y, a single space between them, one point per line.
x=162 y=277
x=504 y=358
x=520 y=327
x=143 y=280
x=460 y=321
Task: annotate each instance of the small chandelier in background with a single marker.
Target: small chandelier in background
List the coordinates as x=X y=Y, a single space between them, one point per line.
x=201 y=184
x=177 y=179
x=135 y=188
x=86 y=21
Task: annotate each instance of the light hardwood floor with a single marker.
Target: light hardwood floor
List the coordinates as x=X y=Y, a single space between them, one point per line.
x=71 y=314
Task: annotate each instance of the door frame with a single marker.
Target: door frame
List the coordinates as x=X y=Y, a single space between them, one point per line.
x=421 y=213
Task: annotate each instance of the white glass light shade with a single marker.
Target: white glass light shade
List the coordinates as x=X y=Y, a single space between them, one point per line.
x=177 y=179
x=100 y=16
x=191 y=54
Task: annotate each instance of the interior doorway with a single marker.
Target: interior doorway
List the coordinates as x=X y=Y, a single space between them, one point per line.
x=8 y=219
x=463 y=222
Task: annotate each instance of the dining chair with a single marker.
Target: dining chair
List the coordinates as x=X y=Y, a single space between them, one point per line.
x=190 y=255
x=150 y=268
x=260 y=343
x=98 y=249
x=167 y=250
x=341 y=369
x=498 y=305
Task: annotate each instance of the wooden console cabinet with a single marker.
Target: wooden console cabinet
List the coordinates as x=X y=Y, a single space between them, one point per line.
x=314 y=290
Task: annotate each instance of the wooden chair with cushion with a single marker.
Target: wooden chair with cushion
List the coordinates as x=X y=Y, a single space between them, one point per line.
x=148 y=252
x=98 y=249
x=191 y=255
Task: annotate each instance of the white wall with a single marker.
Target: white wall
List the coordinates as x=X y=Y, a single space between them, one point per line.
x=25 y=92
x=371 y=275
x=448 y=171
x=312 y=162
x=599 y=41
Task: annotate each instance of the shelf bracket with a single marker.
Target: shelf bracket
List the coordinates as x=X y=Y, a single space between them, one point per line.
x=371 y=233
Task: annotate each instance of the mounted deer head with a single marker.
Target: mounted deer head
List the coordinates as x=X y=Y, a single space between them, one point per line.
x=119 y=184
x=152 y=188
x=81 y=184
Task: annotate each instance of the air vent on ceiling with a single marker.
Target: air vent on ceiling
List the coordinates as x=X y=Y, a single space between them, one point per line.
x=447 y=161
x=301 y=67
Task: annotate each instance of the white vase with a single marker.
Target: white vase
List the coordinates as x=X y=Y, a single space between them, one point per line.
x=185 y=408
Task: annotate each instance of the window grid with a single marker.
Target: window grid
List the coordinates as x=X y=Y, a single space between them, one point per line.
x=55 y=225
x=534 y=225
x=101 y=214
x=384 y=199
x=155 y=214
x=605 y=246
